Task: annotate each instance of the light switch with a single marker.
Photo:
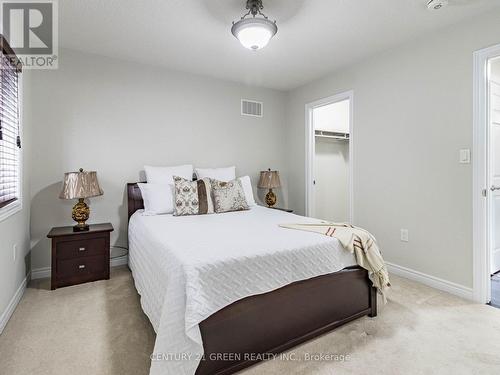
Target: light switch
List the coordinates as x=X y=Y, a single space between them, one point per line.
x=404 y=235
x=465 y=156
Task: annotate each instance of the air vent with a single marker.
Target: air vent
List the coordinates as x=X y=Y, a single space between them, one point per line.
x=251 y=108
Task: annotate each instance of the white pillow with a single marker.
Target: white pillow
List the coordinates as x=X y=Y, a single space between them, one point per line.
x=247 y=188
x=221 y=174
x=165 y=175
x=158 y=199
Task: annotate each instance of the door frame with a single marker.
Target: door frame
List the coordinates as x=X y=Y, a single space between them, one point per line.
x=311 y=148
x=481 y=180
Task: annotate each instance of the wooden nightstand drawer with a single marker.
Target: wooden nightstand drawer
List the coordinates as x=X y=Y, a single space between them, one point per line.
x=80 y=257
x=80 y=248
x=95 y=265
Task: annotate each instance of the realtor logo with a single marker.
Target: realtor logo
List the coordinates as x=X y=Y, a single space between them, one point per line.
x=30 y=27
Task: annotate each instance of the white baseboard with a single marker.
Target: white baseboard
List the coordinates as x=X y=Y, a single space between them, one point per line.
x=119 y=261
x=42 y=273
x=11 y=307
x=432 y=281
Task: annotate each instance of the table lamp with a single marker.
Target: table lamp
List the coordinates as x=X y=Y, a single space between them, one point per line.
x=80 y=185
x=270 y=180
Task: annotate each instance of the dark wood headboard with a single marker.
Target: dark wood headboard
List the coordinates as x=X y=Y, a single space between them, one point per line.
x=134 y=198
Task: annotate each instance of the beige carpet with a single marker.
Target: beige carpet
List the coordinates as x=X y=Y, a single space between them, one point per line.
x=99 y=328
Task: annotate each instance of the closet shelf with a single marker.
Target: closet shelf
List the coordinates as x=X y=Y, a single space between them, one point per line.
x=331 y=135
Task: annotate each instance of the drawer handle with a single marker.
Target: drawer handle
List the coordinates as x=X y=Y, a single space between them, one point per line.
x=81 y=266
x=82 y=249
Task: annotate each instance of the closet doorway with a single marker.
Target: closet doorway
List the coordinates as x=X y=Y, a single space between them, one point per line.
x=329 y=145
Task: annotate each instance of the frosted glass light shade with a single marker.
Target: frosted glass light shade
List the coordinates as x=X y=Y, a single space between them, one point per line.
x=254 y=33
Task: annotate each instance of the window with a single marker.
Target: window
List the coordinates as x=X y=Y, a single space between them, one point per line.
x=10 y=139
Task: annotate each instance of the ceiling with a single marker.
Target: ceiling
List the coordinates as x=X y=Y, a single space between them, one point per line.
x=314 y=37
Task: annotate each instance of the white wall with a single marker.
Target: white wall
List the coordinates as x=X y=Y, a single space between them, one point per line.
x=412 y=114
x=332 y=117
x=15 y=229
x=331 y=173
x=114 y=117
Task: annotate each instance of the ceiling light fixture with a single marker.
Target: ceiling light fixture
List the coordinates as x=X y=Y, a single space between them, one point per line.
x=254 y=32
x=436 y=4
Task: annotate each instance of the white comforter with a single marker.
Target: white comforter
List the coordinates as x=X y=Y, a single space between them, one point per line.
x=187 y=268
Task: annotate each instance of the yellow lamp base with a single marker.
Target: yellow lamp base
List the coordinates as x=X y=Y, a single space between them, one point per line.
x=270 y=198
x=80 y=214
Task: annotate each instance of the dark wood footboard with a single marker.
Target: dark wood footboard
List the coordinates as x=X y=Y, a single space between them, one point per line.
x=279 y=320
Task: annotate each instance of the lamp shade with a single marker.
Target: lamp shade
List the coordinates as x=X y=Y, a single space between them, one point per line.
x=269 y=179
x=80 y=184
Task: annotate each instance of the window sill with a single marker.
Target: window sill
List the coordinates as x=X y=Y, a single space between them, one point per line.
x=10 y=209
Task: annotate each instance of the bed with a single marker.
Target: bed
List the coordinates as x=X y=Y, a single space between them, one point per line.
x=226 y=291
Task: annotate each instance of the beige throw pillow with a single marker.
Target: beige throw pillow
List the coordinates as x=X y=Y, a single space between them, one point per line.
x=192 y=197
x=228 y=196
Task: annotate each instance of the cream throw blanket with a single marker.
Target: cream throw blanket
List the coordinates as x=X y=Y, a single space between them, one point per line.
x=357 y=241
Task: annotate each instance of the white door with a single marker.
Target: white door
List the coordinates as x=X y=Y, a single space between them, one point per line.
x=495 y=175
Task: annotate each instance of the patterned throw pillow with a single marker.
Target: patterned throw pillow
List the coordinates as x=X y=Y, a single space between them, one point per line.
x=228 y=196
x=192 y=197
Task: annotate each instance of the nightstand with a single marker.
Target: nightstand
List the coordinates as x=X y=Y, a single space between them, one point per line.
x=282 y=209
x=79 y=257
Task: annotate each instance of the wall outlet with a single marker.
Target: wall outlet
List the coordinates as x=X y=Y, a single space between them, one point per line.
x=404 y=235
x=14 y=253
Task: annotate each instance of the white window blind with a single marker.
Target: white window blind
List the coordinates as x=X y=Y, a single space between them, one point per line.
x=10 y=141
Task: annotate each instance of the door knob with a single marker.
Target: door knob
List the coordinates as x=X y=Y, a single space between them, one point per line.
x=493 y=188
